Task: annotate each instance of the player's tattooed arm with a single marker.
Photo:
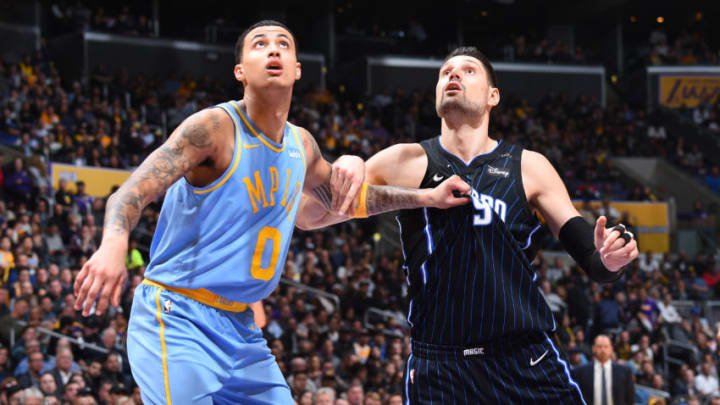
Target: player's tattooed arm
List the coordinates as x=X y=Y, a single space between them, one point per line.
x=379 y=198
x=317 y=208
x=191 y=143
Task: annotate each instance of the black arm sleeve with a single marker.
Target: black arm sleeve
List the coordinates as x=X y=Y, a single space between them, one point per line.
x=577 y=237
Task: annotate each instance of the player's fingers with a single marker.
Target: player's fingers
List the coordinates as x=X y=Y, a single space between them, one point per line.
x=83 y=291
x=600 y=230
x=460 y=184
x=349 y=198
x=337 y=193
x=347 y=183
x=117 y=290
x=616 y=246
x=104 y=300
x=92 y=294
x=630 y=247
x=609 y=240
x=456 y=198
x=80 y=278
x=612 y=234
x=634 y=253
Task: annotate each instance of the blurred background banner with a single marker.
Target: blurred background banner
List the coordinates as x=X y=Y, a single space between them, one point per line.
x=98 y=181
x=688 y=91
x=682 y=86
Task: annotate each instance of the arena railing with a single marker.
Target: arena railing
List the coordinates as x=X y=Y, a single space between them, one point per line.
x=166 y=56
x=532 y=81
x=710 y=309
x=300 y=286
x=384 y=314
x=73 y=340
x=19 y=38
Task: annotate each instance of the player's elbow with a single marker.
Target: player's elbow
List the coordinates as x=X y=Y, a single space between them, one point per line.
x=307 y=224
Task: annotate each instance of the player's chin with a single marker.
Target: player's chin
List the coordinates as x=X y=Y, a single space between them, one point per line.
x=279 y=82
x=449 y=105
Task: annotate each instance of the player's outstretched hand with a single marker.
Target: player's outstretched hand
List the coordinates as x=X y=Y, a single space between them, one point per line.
x=348 y=175
x=450 y=193
x=103 y=274
x=617 y=246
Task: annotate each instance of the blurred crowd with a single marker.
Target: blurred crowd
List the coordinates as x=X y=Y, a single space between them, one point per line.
x=687 y=47
x=523 y=49
x=351 y=352
x=704 y=168
x=67 y=16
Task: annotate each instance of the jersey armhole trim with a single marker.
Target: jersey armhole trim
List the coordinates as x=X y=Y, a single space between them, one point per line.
x=299 y=143
x=426 y=147
x=520 y=184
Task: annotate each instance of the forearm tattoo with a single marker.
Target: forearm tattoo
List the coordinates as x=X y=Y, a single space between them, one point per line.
x=323 y=194
x=155 y=175
x=390 y=198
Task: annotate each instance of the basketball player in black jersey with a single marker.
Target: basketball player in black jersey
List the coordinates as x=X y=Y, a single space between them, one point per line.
x=480 y=328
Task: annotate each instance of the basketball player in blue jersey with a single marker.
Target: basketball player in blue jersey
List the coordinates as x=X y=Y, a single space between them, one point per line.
x=480 y=328
x=233 y=177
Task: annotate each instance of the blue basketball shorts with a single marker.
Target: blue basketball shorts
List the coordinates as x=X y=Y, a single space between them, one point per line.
x=183 y=351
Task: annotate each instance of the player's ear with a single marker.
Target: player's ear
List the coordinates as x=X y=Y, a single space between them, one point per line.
x=298 y=71
x=239 y=73
x=494 y=96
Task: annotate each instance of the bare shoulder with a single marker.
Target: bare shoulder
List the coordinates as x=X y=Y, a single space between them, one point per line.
x=537 y=173
x=536 y=167
x=532 y=160
x=403 y=164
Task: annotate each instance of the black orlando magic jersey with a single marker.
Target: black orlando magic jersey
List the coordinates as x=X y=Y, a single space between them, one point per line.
x=468 y=267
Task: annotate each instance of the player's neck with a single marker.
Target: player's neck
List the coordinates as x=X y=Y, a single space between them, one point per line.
x=466 y=140
x=268 y=111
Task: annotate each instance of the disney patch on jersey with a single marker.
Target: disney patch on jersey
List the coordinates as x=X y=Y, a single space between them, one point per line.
x=497 y=171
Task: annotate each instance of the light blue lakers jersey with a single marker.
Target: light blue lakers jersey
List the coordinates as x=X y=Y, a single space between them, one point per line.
x=232 y=236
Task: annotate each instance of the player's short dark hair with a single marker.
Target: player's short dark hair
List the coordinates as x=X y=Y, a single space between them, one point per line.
x=264 y=23
x=473 y=52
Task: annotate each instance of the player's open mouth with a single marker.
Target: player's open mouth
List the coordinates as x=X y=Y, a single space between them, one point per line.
x=274 y=68
x=453 y=86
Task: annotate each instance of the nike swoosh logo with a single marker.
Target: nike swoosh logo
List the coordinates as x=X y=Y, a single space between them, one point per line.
x=437 y=177
x=246 y=146
x=539 y=359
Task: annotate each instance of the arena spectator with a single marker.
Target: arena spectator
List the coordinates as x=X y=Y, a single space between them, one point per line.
x=705 y=383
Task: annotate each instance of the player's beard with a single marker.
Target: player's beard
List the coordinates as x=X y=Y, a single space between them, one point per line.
x=459 y=107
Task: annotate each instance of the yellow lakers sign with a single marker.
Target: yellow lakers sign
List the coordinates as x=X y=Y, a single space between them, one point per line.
x=676 y=91
x=98 y=180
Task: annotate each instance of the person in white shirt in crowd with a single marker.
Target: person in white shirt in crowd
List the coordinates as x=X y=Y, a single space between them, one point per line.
x=556 y=271
x=656 y=132
x=705 y=382
x=648 y=263
x=554 y=301
x=644 y=346
x=701 y=113
x=668 y=312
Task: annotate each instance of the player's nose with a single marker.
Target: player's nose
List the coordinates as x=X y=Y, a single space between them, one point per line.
x=455 y=75
x=273 y=49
